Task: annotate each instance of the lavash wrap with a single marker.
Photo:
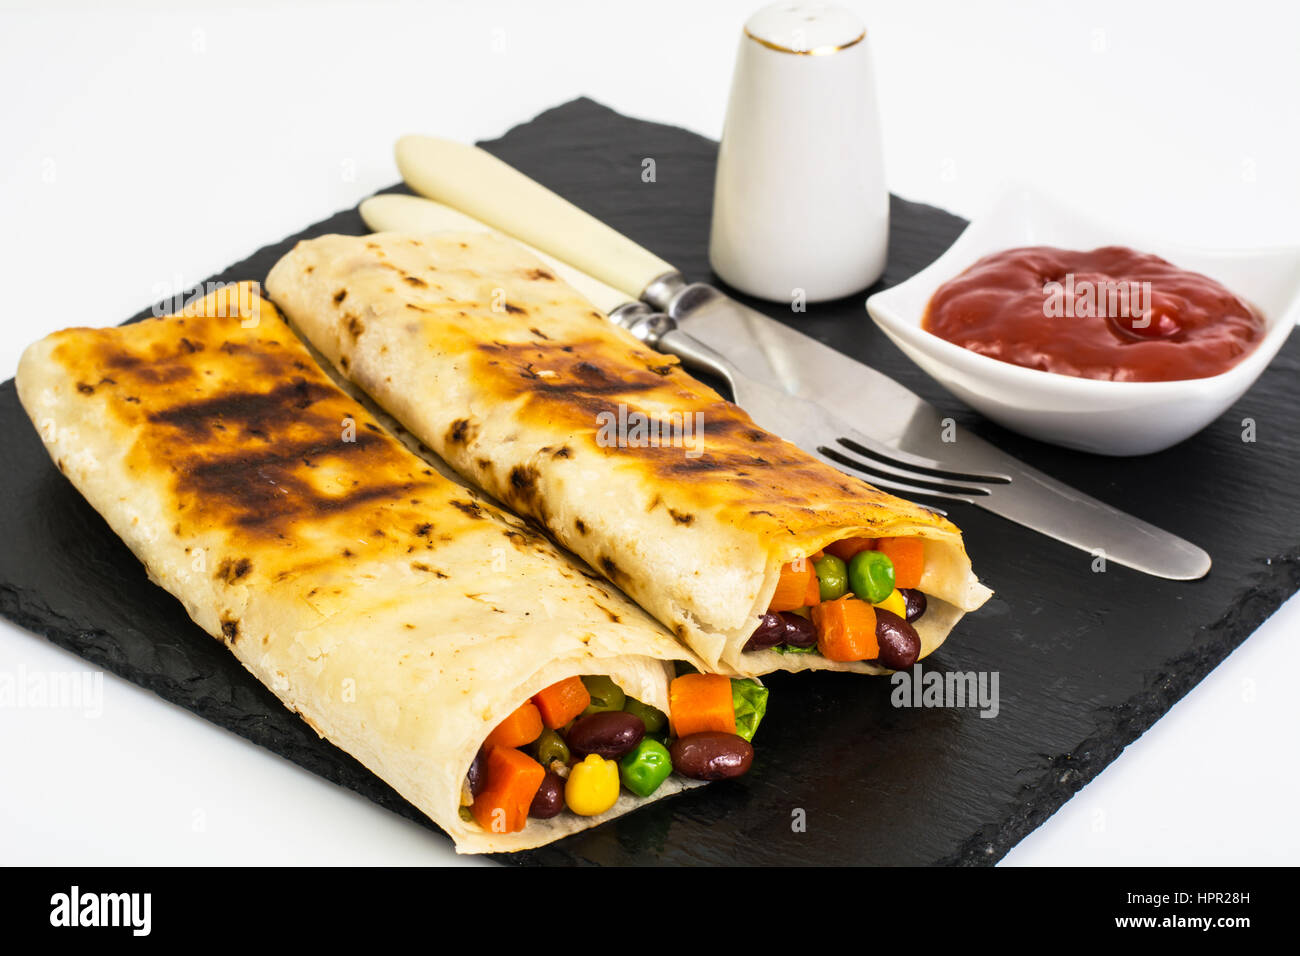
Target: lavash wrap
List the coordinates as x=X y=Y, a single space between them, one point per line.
x=401 y=616
x=505 y=371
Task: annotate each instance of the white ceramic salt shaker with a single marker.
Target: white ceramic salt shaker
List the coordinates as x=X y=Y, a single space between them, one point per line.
x=801 y=209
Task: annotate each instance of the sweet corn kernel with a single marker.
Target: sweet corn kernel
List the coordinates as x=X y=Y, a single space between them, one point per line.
x=592 y=786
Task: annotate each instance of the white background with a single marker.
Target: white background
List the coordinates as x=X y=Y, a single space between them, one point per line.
x=148 y=145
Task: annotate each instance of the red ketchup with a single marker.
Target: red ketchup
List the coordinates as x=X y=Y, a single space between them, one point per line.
x=1112 y=313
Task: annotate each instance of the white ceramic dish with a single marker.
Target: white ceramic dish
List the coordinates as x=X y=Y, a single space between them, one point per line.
x=1110 y=418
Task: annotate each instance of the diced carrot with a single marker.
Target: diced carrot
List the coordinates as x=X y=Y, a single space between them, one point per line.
x=521 y=727
x=814 y=593
x=846 y=630
x=846 y=549
x=792 y=588
x=908 y=555
x=698 y=702
x=513 y=779
x=562 y=701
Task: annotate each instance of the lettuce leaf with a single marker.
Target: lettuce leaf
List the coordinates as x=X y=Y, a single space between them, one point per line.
x=749 y=700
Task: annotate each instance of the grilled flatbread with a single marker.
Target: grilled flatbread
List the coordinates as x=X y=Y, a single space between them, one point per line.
x=399 y=613
x=513 y=378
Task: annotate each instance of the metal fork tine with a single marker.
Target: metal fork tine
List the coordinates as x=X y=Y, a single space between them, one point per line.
x=880 y=471
x=884 y=486
x=847 y=465
x=887 y=455
x=881 y=457
x=818 y=431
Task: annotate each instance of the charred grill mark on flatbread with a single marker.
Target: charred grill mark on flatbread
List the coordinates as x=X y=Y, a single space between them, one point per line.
x=471 y=509
x=171 y=362
x=145 y=370
x=253 y=411
x=527 y=536
x=589 y=391
x=266 y=493
x=462 y=431
x=523 y=483
x=231 y=570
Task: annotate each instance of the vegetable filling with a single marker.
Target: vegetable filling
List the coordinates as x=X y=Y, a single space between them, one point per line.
x=856 y=600
x=576 y=745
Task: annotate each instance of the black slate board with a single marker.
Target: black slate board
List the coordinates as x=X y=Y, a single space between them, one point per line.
x=1086 y=661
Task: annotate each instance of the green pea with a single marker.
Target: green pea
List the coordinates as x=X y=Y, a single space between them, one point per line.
x=832 y=577
x=551 y=747
x=871 y=576
x=605 y=694
x=654 y=719
x=645 y=767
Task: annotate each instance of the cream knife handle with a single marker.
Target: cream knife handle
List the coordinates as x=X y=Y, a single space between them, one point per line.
x=477 y=183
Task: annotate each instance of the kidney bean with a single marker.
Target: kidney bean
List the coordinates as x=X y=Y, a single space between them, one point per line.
x=477 y=775
x=900 y=645
x=550 y=797
x=769 y=633
x=915 y=602
x=799 y=631
x=711 y=755
x=609 y=734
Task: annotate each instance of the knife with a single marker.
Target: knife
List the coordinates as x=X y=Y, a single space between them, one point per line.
x=709 y=330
